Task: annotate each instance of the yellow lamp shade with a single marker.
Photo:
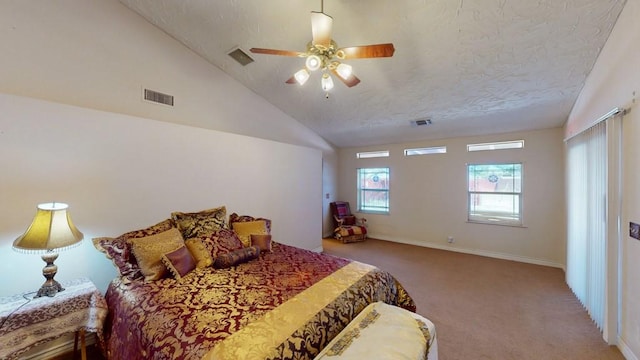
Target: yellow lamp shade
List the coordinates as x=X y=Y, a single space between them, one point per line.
x=51 y=229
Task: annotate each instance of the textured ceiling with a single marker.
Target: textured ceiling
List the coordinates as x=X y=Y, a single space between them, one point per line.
x=472 y=66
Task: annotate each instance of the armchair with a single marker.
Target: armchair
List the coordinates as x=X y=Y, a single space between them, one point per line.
x=347 y=227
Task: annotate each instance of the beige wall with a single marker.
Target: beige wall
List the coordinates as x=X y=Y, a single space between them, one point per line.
x=429 y=200
x=119 y=173
x=99 y=55
x=615 y=82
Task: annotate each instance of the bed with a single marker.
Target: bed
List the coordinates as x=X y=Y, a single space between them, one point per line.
x=281 y=303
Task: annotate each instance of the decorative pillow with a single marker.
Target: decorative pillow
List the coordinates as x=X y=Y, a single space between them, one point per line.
x=349 y=220
x=179 y=262
x=119 y=249
x=149 y=250
x=236 y=257
x=200 y=223
x=221 y=242
x=200 y=253
x=244 y=218
x=245 y=229
x=261 y=241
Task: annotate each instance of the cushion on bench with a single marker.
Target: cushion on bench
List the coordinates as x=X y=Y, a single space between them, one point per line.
x=383 y=331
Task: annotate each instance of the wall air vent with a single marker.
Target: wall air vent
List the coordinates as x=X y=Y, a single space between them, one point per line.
x=158 y=97
x=240 y=56
x=421 y=122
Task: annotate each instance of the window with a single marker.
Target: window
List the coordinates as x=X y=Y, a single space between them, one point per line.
x=515 y=144
x=425 y=151
x=373 y=190
x=372 y=154
x=495 y=193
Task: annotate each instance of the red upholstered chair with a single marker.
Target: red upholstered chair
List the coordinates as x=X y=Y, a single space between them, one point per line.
x=347 y=227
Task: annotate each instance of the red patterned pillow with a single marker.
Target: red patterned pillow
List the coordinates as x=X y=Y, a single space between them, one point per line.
x=119 y=249
x=245 y=218
x=221 y=242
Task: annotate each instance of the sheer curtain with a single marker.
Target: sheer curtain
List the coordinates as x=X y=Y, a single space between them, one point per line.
x=593 y=220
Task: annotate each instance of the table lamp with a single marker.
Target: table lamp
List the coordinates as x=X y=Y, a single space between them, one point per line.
x=51 y=231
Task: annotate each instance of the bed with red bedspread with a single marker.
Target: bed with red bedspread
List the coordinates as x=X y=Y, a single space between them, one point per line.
x=285 y=304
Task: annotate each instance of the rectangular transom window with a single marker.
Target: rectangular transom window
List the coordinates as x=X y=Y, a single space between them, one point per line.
x=373 y=190
x=495 y=193
x=504 y=145
x=426 y=151
x=372 y=154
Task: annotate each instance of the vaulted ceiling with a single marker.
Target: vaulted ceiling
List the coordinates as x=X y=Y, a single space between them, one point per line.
x=471 y=66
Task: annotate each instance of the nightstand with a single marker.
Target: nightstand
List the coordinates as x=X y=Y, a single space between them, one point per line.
x=78 y=309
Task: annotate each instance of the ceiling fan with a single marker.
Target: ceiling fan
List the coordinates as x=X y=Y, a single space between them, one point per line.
x=324 y=54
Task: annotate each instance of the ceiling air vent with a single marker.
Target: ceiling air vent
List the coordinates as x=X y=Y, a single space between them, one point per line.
x=422 y=122
x=240 y=56
x=158 y=97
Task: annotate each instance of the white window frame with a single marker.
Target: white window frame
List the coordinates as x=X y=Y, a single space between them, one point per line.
x=495 y=217
x=425 y=151
x=372 y=154
x=500 y=145
x=371 y=208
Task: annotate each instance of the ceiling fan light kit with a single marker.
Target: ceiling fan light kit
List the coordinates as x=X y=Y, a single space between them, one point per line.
x=313 y=62
x=324 y=54
x=327 y=82
x=344 y=70
x=302 y=76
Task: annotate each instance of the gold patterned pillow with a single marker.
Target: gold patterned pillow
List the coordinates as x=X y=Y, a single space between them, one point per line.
x=200 y=253
x=149 y=250
x=201 y=223
x=179 y=262
x=248 y=228
x=234 y=217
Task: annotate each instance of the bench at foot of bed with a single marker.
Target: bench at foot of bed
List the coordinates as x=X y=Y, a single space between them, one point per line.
x=383 y=331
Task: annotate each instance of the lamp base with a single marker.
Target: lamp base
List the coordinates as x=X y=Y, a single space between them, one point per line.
x=50 y=287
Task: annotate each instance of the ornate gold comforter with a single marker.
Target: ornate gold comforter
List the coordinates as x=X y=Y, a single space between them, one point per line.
x=257 y=310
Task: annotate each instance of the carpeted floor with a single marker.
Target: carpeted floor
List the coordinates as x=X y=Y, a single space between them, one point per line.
x=486 y=308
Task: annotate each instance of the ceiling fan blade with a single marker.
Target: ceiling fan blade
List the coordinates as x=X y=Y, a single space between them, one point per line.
x=350 y=81
x=321 y=24
x=277 y=52
x=291 y=80
x=368 y=51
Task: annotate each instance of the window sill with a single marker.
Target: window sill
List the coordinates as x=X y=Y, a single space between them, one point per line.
x=496 y=223
x=373 y=212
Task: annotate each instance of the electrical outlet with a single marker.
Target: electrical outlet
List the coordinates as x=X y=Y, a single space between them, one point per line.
x=450 y=239
x=634 y=230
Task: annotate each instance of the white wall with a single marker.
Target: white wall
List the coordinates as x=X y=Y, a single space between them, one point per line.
x=428 y=197
x=615 y=82
x=120 y=173
x=100 y=55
